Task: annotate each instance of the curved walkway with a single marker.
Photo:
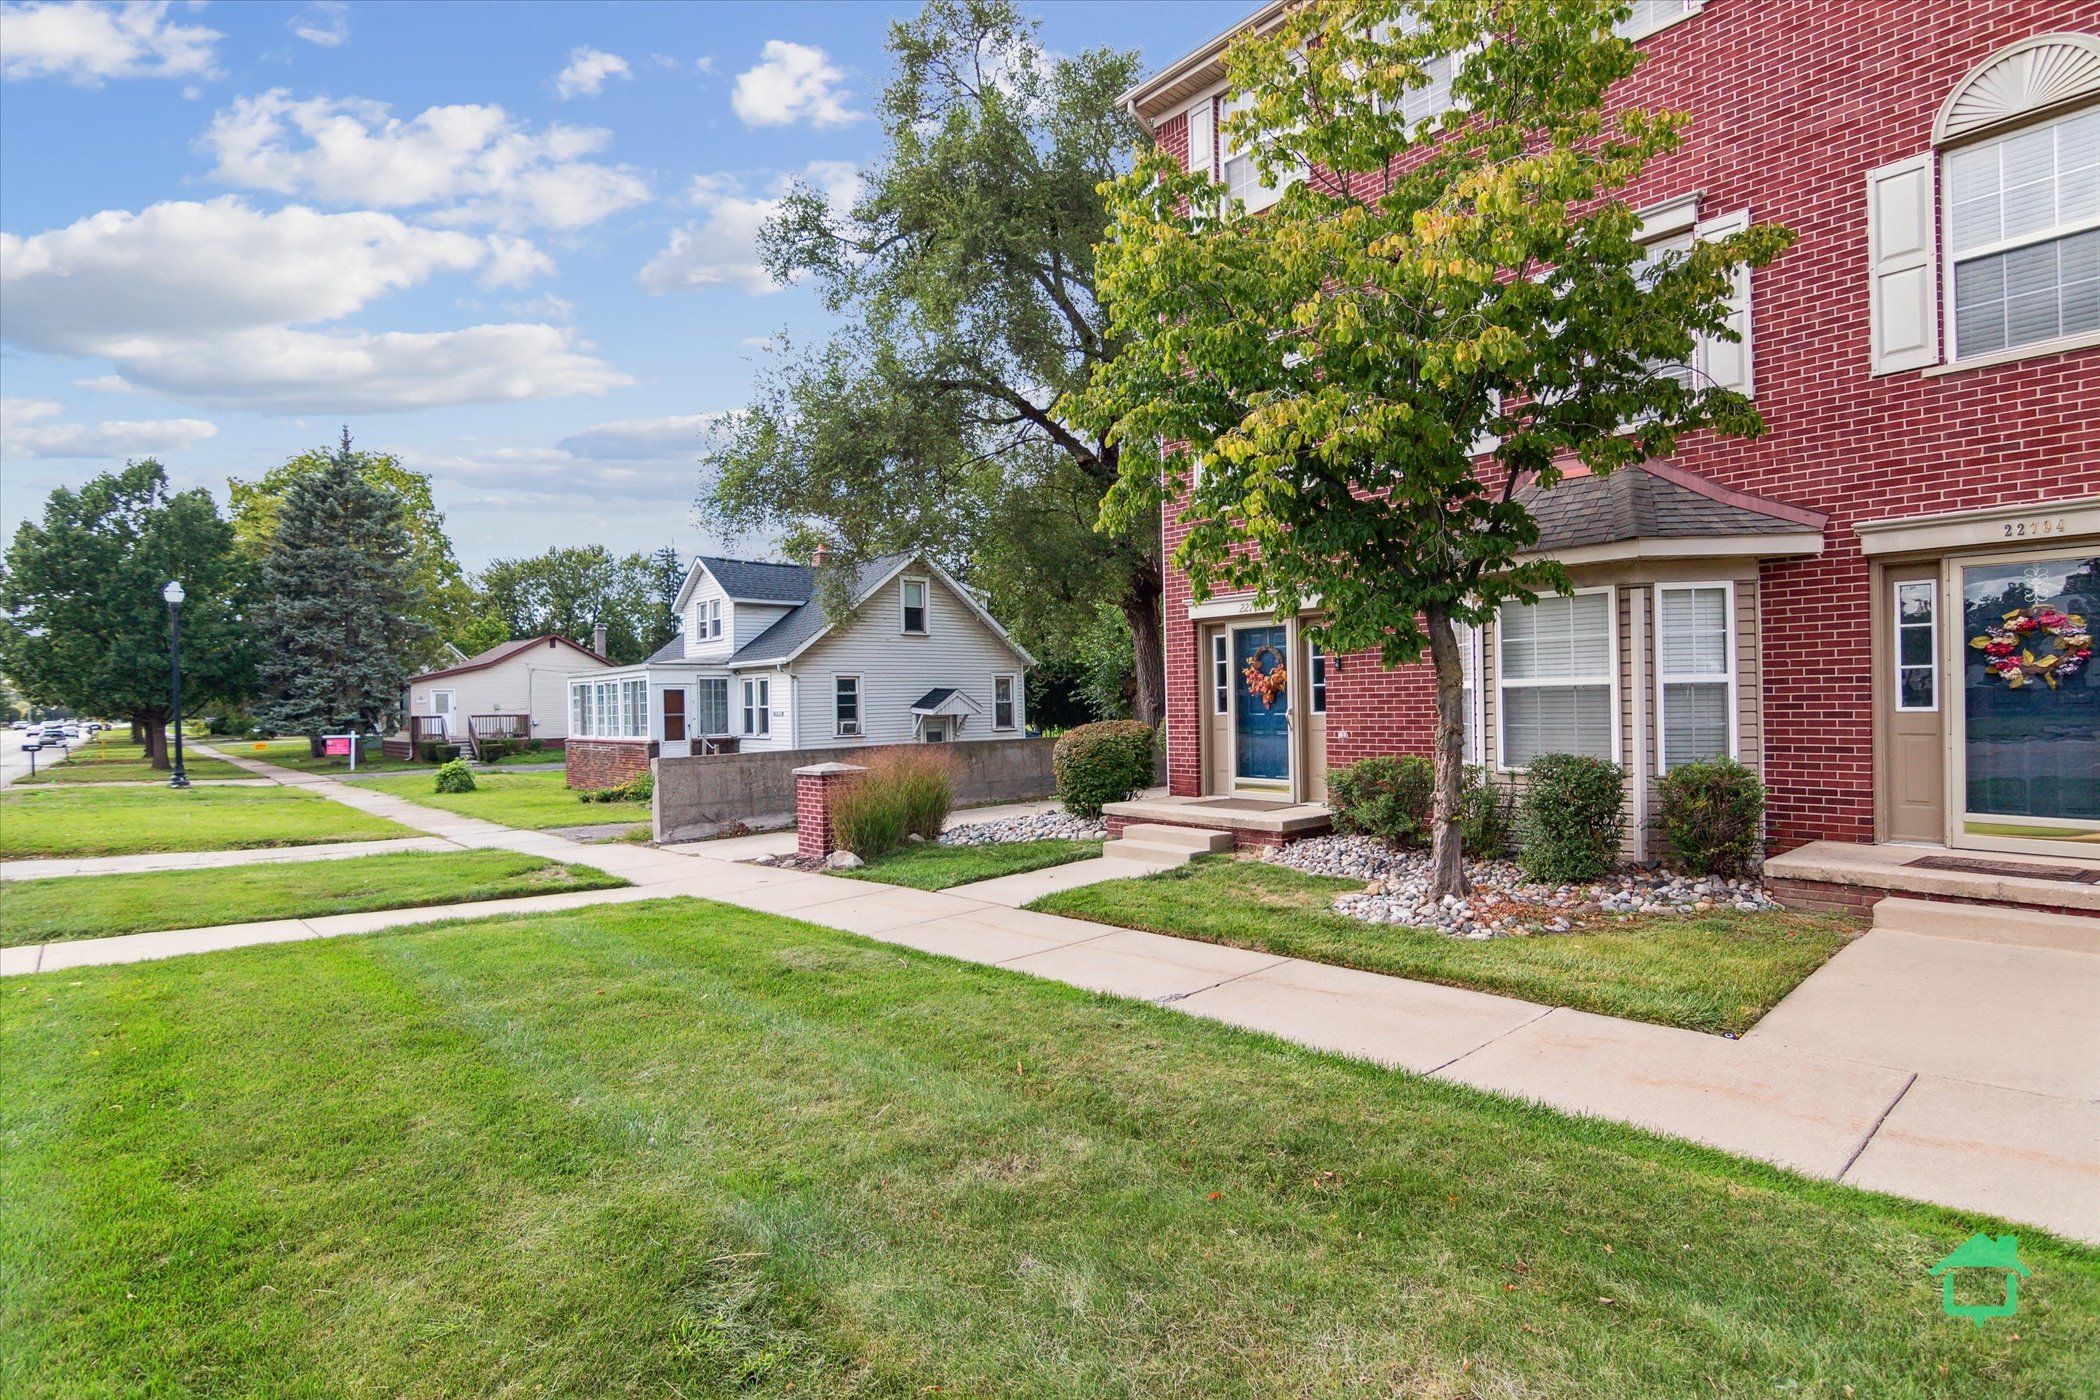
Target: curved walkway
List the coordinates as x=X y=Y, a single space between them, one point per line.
x=1900 y=1128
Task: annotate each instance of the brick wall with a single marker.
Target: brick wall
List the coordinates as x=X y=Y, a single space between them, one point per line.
x=604 y=763
x=1792 y=105
x=815 y=788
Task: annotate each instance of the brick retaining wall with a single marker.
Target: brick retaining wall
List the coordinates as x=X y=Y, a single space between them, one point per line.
x=604 y=763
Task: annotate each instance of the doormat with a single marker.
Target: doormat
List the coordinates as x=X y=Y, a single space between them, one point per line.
x=2069 y=874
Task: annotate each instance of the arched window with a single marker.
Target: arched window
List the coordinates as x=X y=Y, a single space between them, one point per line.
x=1994 y=235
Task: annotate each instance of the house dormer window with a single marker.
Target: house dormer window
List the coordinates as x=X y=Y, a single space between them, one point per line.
x=911 y=599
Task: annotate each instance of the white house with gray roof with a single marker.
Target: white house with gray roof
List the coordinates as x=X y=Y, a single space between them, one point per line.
x=760 y=663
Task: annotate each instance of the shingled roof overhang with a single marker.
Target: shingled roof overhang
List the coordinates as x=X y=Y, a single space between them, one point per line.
x=1199 y=68
x=1657 y=510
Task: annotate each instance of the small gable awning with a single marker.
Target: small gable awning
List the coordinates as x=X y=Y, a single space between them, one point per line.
x=945 y=702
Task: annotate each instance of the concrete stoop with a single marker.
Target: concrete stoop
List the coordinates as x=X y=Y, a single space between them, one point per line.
x=1163 y=847
x=2008 y=925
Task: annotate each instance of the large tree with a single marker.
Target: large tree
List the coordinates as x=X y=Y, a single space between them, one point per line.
x=84 y=627
x=1427 y=287
x=966 y=269
x=571 y=590
x=338 y=631
x=440 y=597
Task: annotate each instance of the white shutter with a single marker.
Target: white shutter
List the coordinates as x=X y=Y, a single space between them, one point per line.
x=1203 y=138
x=1903 y=308
x=1726 y=363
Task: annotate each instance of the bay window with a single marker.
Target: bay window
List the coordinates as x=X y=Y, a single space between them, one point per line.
x=1555 y=681
x=1695 y=671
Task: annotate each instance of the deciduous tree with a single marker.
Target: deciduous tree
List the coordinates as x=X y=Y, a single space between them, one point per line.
x=572 y=589
x=1427 y=288
x=84 y=627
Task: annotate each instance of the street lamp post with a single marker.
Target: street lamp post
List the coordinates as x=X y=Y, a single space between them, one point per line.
x=173 y=593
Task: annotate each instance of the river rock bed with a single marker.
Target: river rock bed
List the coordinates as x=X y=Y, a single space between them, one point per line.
x=1043 y=826
x=1501 y=902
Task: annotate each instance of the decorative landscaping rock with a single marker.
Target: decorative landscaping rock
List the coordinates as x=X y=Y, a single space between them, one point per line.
x=843 y=860
x=1043 y=826
x=1501 y=902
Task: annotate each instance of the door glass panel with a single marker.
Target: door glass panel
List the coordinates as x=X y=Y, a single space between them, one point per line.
x=1261 y=722
x=2031 y=740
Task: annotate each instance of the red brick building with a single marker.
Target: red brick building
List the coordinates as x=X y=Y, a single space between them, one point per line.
x=1927 y=360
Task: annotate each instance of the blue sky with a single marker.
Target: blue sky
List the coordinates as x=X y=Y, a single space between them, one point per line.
x=510 y=242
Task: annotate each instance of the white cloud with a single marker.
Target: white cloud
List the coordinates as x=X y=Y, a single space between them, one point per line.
x=587 y=70
x=470 y=164
x=720 y=249
x=792 y=83
x=323 y=22
x=221 y=304
x=25 y=432
x=89 y=44
x=105 y=384
x=682 y=437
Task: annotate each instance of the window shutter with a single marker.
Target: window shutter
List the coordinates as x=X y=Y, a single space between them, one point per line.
x=1203 y=138
x=1903 y=309
x=1727 y=362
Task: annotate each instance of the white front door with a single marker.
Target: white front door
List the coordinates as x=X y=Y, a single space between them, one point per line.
x=441 y=704
x=673 y=733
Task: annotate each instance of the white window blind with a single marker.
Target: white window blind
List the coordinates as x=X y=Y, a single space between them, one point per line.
x=711 y=706
x=1651 y=15
x=1242 y=176
x=1554 y=680
x=1695 y=666
x=2023 y=235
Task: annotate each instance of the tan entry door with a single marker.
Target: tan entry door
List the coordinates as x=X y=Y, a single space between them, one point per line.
x=1914 y=783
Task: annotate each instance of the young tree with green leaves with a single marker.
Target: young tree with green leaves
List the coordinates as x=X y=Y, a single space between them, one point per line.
x=82 y=624
x=441 y=598
x=339 y=633
x=1428 y=286
x=572 y=589
x=966 y=267
x=670 y=579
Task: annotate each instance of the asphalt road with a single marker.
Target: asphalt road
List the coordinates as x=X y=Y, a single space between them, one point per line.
x=14 y=763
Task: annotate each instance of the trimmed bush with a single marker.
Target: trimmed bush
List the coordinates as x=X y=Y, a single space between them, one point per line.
x=1486 y=816
x=905 y=792
x=1710 y=812
x=1389 y=797
x=455 y=777
x=1097 y=764
x=435 y=752
x=1569 y=821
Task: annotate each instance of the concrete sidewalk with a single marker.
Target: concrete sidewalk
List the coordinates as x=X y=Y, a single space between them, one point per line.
x=1883 y=1117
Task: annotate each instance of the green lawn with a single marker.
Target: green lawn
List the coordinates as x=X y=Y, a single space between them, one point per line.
x=932 y=867
x=1717 y=972
x=99 y=906
x=111 y=757
x=502 y=1158
x=126 y=821
x=533 y=801
x=297 y=754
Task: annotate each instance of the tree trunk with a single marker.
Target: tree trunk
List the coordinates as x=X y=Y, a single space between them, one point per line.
x=1447 y=871
x=314 y=746
x=1141 y=609
x=152 y=730
x=138 y=731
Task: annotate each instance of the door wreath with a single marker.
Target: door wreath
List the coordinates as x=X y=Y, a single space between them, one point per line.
x=1266 y=684
x=2008 y=655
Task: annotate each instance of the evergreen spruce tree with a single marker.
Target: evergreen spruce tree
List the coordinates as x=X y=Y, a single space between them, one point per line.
x=339 y=629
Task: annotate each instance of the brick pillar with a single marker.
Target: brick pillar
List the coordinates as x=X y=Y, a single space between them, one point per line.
x=815 y=786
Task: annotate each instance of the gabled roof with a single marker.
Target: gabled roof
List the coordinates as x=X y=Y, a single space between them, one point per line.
x=945 y=700
x=504 y=651
x=748 y=580
x=789 y=637
x=1659 y=501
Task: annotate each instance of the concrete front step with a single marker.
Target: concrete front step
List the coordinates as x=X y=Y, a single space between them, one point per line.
x=1164 y=847
x=2018 y=928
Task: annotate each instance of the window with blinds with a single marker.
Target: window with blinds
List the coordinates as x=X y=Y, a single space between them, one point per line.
x=1651 y=15
x=1554 y=682
x=1695 y=670
x=711 y=706
x=2023 y=235
x=1242 y=175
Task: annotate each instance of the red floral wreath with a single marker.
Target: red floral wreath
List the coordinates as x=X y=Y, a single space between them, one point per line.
x=2006 y=653
x=1271 y=684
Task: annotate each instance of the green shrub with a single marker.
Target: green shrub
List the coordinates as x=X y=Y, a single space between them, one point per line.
x=1486 y=816
x=1097 y=764
x=639 y=788
x=493 y=749
x=435 y=752
x=455 y=776
x=535 y=745
x=1710 y=814
x=905 y=792
x=1569 y=820
x=1385 y=796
